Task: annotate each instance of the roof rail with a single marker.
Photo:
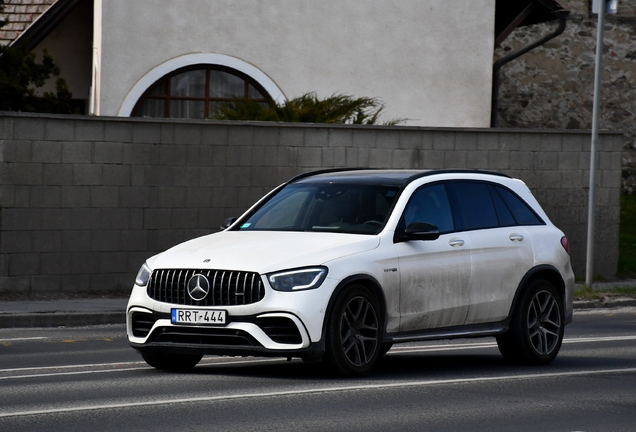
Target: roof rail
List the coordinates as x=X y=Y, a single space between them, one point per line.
x=323 y=171
x=459 y=171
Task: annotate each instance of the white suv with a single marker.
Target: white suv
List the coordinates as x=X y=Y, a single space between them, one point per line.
x=338 y=265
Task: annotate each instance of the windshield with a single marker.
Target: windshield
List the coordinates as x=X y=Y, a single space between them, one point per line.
x=346 y=208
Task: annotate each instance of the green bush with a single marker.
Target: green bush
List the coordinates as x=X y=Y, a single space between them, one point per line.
x=627 y=237
x=308 y=108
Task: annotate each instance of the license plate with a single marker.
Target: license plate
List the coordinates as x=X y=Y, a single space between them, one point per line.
x=198 y=316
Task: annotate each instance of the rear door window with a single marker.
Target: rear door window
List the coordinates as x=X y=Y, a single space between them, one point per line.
x=473 y=204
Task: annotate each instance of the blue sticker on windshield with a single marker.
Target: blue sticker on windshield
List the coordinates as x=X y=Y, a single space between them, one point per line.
x=390 y=194
x=246 y=225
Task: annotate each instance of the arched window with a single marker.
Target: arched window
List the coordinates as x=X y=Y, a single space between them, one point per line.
x=193 y=91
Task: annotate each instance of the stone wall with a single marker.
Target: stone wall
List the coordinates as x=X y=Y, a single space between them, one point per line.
x=553 y=86
x=85 y=200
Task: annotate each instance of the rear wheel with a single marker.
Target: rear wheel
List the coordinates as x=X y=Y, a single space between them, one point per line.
x=536 y=327
x=170 y=361
x=354 y=333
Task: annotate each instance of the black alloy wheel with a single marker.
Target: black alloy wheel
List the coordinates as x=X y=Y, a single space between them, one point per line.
x=544 y=323
x=536 y=328
x=354 y=334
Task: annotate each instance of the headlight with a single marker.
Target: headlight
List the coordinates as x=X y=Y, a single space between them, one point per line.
x=296 y=280
x=143 y=275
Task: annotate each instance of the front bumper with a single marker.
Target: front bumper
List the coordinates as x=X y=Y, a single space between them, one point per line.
x=315 y=350
x=269 y=330
x=282 y=324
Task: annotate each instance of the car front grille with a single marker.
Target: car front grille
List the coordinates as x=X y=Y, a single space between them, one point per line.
x=226 y=288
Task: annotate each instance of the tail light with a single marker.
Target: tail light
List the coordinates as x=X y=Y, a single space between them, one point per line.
x=566 y=244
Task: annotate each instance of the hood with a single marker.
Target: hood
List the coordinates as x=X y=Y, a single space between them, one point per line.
x=262 y=251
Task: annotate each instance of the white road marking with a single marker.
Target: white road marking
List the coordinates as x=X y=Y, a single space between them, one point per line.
x=313 y=391
x=599 y=339
x=223 y=361
x=464 y=346
x=202 y=363
x=71 y=366
x=70 y=373
x=22 y=339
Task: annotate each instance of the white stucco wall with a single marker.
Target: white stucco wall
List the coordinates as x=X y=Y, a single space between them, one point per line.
x=70 y=46
x=429 y=60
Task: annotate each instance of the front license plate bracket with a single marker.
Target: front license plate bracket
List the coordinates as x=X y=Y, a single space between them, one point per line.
x=216 y=317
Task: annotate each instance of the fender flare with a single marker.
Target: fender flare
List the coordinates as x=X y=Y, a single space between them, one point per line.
x=537 y=272
x=370 y=283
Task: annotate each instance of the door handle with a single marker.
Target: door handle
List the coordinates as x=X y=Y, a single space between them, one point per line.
x=516 y=237
x=456 y=242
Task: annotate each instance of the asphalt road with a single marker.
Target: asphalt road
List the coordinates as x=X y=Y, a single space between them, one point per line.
x=88 y=379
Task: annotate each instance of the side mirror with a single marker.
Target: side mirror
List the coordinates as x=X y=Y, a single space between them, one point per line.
x=421 y=231
x=228 y=222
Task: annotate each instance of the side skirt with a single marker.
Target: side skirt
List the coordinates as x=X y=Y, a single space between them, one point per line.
x=471 y=331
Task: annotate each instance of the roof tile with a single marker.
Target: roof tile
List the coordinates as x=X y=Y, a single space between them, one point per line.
x=21 y=14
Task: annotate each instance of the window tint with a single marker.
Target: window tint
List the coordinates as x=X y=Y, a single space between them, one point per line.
x=281 y=214
x=475 y=206
x=346 y=208
x=430 y=204
x=519 y=209
x=505 y=217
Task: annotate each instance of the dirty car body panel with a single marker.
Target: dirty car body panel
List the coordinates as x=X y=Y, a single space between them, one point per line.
x=337 y=265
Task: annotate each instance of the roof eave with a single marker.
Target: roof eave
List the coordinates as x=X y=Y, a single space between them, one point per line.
x=512 y=14
x=45 y=23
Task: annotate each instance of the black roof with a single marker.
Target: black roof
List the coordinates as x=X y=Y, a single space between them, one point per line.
x=389 y=177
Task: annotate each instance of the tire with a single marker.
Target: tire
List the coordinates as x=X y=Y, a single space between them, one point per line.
x=170 y=361
x=354 y=333
x=536 y=328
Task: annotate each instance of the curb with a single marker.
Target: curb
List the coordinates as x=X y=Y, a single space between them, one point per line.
x=66 y=319
x=600 y=304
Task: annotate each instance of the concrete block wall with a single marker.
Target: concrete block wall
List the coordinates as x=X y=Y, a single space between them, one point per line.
x=84 y=201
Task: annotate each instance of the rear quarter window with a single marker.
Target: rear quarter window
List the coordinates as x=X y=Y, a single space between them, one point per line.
x=503 y=212
x=521 y=212
x=482 y=205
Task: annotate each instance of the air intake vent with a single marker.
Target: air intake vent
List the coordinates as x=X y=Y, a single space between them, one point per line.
x=204 y=337
x=224 y=287
x=142 y=323
x=280 y=330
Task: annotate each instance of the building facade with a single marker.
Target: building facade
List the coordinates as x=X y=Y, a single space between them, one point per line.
x=429 y=62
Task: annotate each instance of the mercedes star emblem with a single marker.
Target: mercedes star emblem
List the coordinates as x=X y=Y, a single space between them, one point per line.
x=198 y=287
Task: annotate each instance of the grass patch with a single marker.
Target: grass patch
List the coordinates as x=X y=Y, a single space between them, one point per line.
x=627 y=237
x=586 y=293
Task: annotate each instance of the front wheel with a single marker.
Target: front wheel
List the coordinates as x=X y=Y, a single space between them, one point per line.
x=536 y=327
x=170 y=361
x=354 y=333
